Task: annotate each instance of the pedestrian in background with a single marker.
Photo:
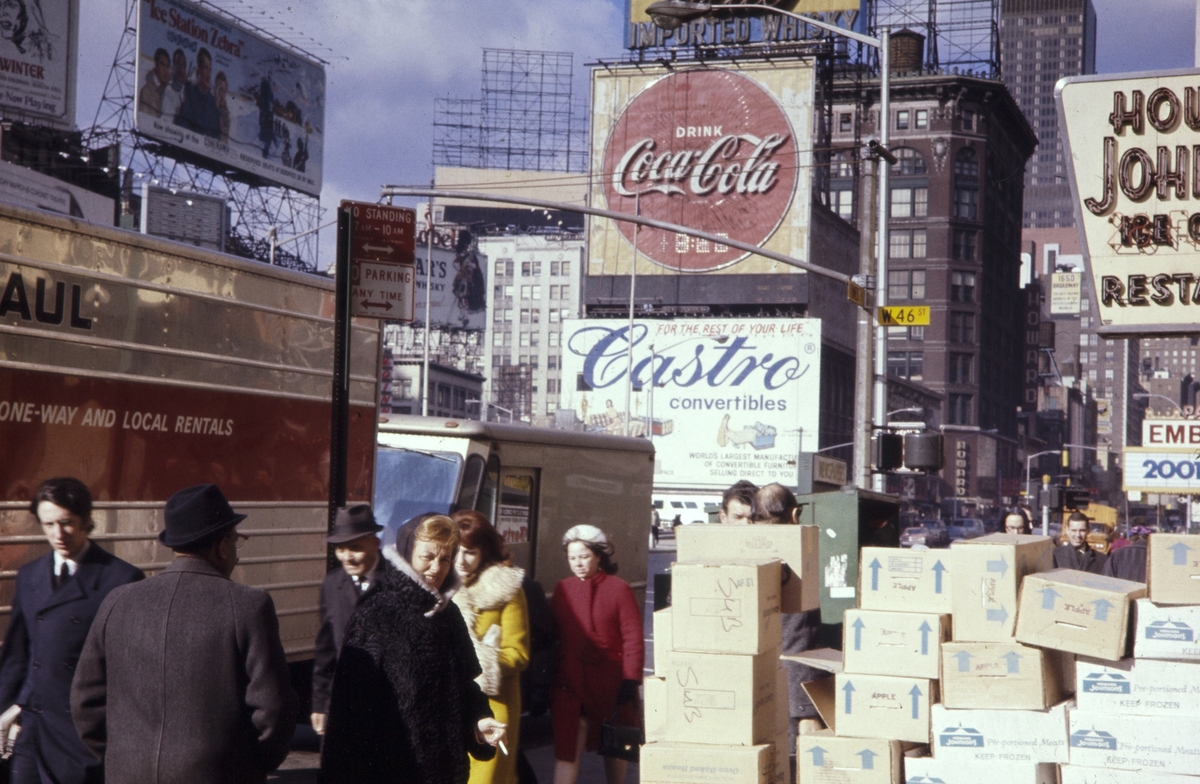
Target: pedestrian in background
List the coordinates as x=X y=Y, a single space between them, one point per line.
x=1016 y=521
x=355 y=540
x=55 y=601
x=737 y=503
x=774 y=504
x=1129 y=562
x=600 y=655
x=183 y=676
x=405 y=706
x=492 y=603
x=1077 y=553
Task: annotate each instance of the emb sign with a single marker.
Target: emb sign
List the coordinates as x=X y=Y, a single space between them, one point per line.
x=1134 y=147
x=382 y=260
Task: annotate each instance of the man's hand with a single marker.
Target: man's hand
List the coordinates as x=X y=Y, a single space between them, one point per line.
x=491 y=731
x=9 y=729
x=318 y=723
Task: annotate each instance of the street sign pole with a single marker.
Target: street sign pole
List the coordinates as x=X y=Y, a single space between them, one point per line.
x=340 y=414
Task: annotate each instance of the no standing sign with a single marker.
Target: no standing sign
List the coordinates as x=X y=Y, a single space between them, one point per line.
x=382 y=255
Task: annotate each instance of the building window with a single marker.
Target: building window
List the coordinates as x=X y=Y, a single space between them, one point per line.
x=845 y=122
x=962 y=327
x=565 y=291
x=552 y=360
x=841 y=201
x=497 y=314
x=960 y=368
x=535 y=316
x=554 y=268
x=554 y=315
x=902 y=120
x=535 y=340
x=554 y=292
x=524 y=292
x=497 y=339
x=964 y=245
x=906 y=364
x=524 y=340
x=1108 y=374
x=906 y=284
x=966 y=184
x=537 y=292
x=960 y=410
x=909 y=163
x=525 y=269
x=969 y=118
x=524 y=315
x=508 y=315
x=508 y=291
x=553 y=344
x=537 y=269
x=499 y=268
x=907 y=244
x=566 y=268
x=921 y=120
x=910 y=202
x=906 y=333
x=508 y=267
x=962 y=286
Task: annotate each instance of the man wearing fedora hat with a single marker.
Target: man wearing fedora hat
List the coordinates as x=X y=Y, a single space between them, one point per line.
x=184 y=677
x=355 y=540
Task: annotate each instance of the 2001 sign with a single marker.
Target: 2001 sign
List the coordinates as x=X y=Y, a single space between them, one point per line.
x=1162 y=470
x=1168 y=469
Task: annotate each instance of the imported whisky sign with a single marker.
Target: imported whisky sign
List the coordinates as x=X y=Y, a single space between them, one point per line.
x=1134 y=152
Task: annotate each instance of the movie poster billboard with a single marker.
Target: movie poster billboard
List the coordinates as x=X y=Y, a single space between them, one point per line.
x=731 y=398
x=38 y=40
x=726 y=149
x=210 y=88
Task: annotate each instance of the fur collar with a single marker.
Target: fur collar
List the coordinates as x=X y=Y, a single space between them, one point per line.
x=493 y=588
x=442 y=597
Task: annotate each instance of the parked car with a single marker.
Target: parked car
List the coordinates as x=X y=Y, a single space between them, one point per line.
x=964 y=528
x=931 y=533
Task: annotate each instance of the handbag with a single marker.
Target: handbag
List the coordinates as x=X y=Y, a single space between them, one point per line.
x=620 y=741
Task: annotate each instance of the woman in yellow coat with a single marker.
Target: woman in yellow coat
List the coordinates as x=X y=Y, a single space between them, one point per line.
x=493 y=606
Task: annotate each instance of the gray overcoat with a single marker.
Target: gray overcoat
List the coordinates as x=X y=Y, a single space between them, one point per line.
x=183 y=678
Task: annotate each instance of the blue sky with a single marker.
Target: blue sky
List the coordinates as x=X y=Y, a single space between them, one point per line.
x=389 y=60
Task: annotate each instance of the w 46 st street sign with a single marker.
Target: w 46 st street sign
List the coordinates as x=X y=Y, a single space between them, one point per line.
x=382 y=251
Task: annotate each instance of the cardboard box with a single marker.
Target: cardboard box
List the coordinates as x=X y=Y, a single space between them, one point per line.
x=986 y=575
x=782 y=753
x=796 y=545
x=1166 y=632
x=1173 y=568
x=883 y=642
x=932 y=770
x=1001 y=736
x=726 y=608
x=1000 y=675
x=783 y=713
x=824 y=758
x=654 y=700
x=696 y=763
x=1079 y=612
x=1081 y=774
x=1160 y=744
x=662 y=640
x=883 y=706
x=722 y=698
x=904 y=580
x=1141 y=687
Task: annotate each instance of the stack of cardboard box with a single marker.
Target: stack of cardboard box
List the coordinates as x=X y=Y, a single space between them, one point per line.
x=716 y=708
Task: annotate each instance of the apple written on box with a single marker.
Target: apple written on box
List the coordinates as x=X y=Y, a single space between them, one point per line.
x=875 y=706
x=1001 y=736
x=904 y=580
x=1173 y=568
x=1162 y=744
x=1081 y=774
x=882 y=642
x=1000 y=675
x=1078 y=612
x=697 y=763
x=722 y=698
x=824 y=758
x=796 y=545
x=725 y=608
x=1145 y=687
x=1166 y=632
x=933 y=770
x=986 y=574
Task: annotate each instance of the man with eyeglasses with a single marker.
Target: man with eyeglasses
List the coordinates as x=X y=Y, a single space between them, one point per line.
x=184 y=678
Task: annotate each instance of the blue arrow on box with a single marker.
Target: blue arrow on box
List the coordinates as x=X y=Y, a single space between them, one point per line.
x=849 y=690
x=1000 y=616
x=858 y=627
x=924 y=630
x=1048 y=596
x=964 y=661
x=874 y=566
x=1180 y=551
x=818 y=756
x=1000 y=566
x=1102 y=608
x=868 y=759
x=1014 y=661
x=938 y=569
x=915 y=693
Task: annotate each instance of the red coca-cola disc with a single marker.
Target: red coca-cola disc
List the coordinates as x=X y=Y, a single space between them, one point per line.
x=709 y=149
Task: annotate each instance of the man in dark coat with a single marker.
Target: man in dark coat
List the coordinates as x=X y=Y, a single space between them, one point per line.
x=56 y=598
x=1129 y=563
x=1077 y=553
x=355 y=542
x=183 y=676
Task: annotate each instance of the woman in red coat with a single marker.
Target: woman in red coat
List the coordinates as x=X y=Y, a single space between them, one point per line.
x=601 y=650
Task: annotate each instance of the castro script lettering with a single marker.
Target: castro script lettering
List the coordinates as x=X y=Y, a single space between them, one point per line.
x=701 y=170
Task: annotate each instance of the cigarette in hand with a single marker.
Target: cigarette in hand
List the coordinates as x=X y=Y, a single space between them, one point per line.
x=503 y=748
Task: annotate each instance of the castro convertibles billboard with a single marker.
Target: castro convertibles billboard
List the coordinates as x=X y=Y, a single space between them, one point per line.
x=731 y=399
x=1133 y=144
x=727 y=150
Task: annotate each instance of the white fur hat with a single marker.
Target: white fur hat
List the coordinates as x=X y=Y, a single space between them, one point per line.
x=589 y=535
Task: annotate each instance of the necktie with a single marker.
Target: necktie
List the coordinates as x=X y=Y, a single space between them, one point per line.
x=64 y=574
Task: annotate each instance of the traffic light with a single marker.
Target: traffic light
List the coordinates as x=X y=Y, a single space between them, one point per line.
x=924 y=451
x=1051 y=496
x=889 y=451
x=1076 y=497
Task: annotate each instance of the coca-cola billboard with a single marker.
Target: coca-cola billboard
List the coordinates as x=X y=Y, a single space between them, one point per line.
x=716 y=149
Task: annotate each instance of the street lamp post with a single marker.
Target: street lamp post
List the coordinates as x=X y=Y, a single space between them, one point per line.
x=672 y=14
x=1148 y=395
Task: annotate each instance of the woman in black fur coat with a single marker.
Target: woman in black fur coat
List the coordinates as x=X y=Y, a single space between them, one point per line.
x=405 y=706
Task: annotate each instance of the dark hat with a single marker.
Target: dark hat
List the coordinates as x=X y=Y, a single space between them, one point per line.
x=352 y=522
x=194 y=514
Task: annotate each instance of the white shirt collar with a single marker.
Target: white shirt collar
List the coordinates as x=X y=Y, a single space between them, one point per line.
x=72 y=564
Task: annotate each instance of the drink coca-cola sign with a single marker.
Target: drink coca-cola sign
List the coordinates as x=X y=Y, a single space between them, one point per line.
x=710 y=149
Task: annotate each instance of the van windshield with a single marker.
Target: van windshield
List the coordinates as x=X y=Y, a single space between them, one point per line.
x=410 y=483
